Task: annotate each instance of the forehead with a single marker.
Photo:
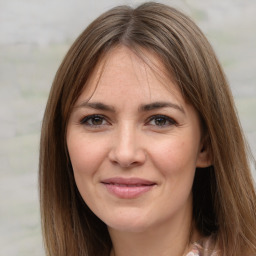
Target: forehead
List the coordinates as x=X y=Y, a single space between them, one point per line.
x=122 y=70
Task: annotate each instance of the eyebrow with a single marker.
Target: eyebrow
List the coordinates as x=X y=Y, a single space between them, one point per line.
x=142 y=108
x=96 y=105
x=160 y=104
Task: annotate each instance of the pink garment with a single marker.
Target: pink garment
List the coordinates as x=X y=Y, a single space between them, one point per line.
x=194 y=252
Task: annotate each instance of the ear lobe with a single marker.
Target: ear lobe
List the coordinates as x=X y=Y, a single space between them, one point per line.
x=204 y=156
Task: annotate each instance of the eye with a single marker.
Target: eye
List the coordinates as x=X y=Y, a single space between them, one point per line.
x=94 y=120
x=161 y=121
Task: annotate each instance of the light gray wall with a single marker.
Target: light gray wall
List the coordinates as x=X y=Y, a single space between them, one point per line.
x=34 y=36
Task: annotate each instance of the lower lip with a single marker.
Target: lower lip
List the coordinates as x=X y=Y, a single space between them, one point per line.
x=128 y=192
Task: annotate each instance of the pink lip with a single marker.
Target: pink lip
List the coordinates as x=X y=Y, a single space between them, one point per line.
x=128 y=188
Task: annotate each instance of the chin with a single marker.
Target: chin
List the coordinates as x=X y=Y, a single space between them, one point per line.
x=135 y=224
x=129 y=227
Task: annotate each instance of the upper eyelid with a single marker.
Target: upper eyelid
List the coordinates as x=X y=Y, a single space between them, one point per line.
x=88 y=117
x=168 y=118
x=147 y=120
x=160 y=115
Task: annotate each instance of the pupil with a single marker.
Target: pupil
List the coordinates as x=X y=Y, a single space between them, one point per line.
x=160 y=121
x=97 y=121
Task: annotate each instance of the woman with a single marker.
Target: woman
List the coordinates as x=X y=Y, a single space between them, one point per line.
x=141 y=149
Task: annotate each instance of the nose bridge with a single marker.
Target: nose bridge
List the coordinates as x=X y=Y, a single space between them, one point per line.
x=125 y=143
x=127 y=149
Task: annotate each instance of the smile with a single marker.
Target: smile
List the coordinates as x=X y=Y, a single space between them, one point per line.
x=128 y=188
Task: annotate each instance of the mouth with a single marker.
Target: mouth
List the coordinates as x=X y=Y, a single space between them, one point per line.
x=128 y=188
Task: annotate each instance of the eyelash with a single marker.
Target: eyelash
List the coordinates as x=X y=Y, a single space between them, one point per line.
x=89 y=119
x=170 y=120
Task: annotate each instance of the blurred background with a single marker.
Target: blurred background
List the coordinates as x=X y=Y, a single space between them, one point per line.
x=34 y=37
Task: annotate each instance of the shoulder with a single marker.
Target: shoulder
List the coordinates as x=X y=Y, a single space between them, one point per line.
x=205 y=247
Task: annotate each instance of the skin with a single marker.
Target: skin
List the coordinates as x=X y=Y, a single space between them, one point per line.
x=133 y=137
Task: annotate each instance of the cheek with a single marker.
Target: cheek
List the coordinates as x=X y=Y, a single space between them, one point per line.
x=176 y=159
x=85 y=155
x=86 y=158
x=176 y=152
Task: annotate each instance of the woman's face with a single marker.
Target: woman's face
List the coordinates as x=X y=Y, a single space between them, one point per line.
x=134 y=145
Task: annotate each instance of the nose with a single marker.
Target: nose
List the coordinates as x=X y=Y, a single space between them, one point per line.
x=127 y=148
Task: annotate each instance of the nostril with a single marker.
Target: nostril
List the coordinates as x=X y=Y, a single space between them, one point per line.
x=127 y=159
x=126 y=149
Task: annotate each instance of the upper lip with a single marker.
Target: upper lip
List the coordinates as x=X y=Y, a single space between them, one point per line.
x=128 y=181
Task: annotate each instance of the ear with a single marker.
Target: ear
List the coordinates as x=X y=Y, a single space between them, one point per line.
x=204 y=158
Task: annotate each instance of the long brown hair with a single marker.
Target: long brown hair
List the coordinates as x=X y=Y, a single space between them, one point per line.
x=223 y=194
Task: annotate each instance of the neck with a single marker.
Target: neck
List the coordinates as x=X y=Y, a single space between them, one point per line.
x=171 y=238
